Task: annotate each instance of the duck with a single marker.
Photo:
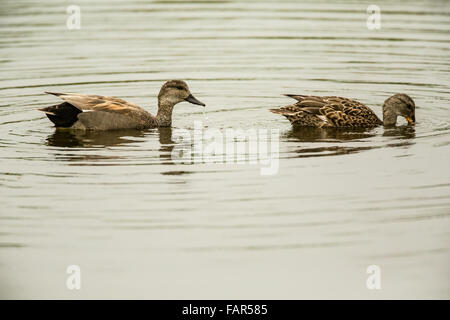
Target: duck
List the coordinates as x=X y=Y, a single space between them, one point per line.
x=95 y=112
x=339 y=112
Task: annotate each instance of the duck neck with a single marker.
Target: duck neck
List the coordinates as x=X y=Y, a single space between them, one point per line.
x=389 y=116
x=164 y=116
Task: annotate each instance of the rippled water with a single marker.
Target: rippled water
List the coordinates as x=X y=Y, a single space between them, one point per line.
x=141 y=226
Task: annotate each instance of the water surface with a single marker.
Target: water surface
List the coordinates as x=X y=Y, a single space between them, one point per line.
x=141 y=226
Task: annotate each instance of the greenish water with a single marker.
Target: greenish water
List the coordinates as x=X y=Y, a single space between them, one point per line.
x=141 y=226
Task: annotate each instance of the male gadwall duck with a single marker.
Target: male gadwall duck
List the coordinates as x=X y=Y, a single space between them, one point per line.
x=329 y=111
x=92 y=112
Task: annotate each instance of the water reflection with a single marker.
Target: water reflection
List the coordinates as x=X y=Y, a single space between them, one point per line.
x=160 y=138
x=67 y=138
x=167 y=145
x=342 y=136
x=401 y=132
x=325 y=142
x=165 y=136
x=303 y=134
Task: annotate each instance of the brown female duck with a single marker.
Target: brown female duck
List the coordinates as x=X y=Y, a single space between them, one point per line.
x=330 y=111
x=93 y=112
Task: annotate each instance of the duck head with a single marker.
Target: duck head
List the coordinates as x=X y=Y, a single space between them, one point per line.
x=399 y=104
x=176 y=91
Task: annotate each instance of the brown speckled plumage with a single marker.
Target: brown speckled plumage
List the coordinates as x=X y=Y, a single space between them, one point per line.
x=332 y=111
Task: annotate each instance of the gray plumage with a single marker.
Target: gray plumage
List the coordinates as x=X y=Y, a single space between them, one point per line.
x=94 y=112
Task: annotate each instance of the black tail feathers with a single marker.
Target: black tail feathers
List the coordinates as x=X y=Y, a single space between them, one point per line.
x=62 y=115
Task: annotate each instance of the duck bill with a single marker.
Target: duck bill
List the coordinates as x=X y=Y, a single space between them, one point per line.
x=194 y=100
x=411 y=121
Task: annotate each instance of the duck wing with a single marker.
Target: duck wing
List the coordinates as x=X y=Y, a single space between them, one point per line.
x=104 y=113
x=303 y=117
x=98 y=103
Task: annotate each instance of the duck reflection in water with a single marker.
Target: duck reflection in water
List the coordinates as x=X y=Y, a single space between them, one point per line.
x=82 y=140
x=331 y=136
x=306 y=134
x=402 y=132
x=67 y=138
